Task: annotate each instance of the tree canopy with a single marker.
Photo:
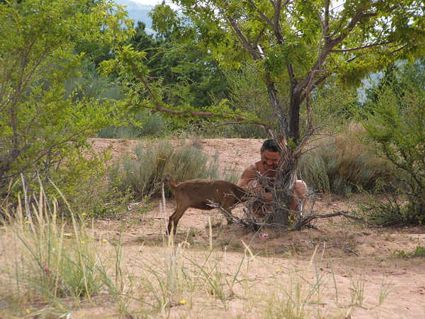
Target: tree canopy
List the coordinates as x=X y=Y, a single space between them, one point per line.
x=305 y=42
x=44 y=45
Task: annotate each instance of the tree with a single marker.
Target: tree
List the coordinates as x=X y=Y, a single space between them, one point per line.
x=174 y=55
x=172 y=73
x=308 y=40
x=45 y=44
x=302 y=43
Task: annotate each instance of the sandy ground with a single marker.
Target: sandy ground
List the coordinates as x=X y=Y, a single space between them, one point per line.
x=348 y=260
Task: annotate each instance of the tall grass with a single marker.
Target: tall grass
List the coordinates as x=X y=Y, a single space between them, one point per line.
x=177 y=277
x=51 y=262
x=142 y=174
x=49 y=259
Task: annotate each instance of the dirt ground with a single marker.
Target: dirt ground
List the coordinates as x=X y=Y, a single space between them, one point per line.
x=351 y=253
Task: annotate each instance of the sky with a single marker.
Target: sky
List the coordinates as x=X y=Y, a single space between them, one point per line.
x=148 y=2
x=154 y=2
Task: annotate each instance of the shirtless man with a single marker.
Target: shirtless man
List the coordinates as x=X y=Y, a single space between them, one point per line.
x=259 y=178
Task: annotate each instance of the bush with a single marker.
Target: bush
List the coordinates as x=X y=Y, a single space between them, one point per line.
x=395 y=122
x=43 y=117
x=83 y=180
x=142 y=174
x=388 y=211
x=419 y=252
x=343 y=165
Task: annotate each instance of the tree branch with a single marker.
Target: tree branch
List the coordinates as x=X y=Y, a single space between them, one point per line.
x=361 y=48
x=261 y=14
x=327 y=49
x=325 y=22
x=351 y=25
x=305 y=221
x=251 y=49
x=160 y=107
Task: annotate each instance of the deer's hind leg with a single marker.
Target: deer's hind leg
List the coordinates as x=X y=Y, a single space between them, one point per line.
x=174 y=219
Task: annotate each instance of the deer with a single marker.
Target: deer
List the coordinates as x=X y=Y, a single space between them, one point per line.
x=205 y=195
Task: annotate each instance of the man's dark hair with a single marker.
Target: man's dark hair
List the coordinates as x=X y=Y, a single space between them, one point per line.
x=270 y=145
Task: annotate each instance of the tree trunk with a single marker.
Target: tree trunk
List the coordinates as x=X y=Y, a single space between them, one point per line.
x=286 y=174
x=282 y=193
x=277 y=108
x=294 y=113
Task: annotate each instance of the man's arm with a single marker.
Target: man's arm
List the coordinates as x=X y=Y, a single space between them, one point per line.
x=248 y=177
x=249 y=181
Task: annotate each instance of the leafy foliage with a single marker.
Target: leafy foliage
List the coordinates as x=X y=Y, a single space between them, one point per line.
x=395 y=122
x=44 y=45
x=303 y=43
x=141 y=124
x=187 y=73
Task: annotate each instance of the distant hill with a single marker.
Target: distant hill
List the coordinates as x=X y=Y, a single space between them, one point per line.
x=138 y=12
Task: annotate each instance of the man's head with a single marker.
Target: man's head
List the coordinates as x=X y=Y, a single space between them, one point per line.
x=270 y=154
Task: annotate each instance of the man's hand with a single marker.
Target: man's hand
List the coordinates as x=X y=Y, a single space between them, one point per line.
x=256 y=188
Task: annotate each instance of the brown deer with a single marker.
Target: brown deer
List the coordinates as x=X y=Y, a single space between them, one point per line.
x=203 y=194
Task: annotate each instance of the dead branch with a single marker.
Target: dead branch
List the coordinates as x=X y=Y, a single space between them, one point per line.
x=230 y=216
x=304 y=221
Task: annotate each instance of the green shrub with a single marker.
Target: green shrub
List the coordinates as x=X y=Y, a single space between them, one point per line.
x=142 y=174
x=418 y=252
x=83 y=180
x=43 y=117
x=395 y=123
x=388 y=211
x=343 y=165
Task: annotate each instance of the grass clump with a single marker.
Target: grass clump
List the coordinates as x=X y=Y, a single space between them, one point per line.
x=49 y=259
x=343 y=165
x=419 y=252
x=142 y=174
x=388 y=211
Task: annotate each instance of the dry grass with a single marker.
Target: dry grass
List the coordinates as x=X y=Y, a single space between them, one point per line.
x=52 y=267
x=142 y=174
x=50 y=260
x=343 y=164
